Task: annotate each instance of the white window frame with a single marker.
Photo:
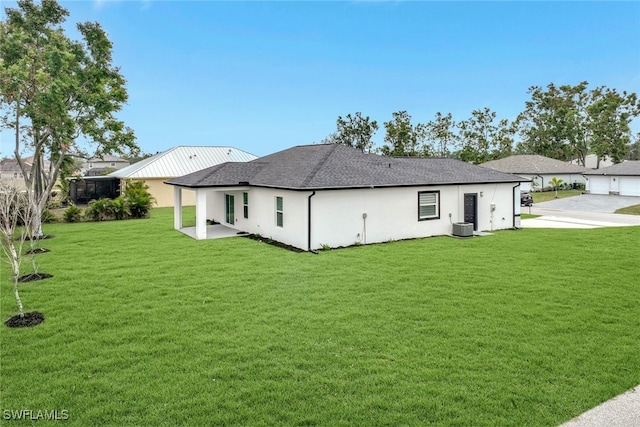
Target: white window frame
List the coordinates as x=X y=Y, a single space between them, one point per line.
x=431 y=198
x=279 y=212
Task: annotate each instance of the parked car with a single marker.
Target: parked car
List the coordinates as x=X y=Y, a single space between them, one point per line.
x=525 y=199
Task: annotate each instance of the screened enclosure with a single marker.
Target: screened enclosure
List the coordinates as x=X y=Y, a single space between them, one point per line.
x=82 y=191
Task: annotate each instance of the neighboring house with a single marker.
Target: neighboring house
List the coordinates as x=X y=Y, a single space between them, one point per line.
x=329 y=194
x=622 y=179
x=591 y=162
x=11 y=174
x=102 y=164
x=175 y=162
x=538 y=170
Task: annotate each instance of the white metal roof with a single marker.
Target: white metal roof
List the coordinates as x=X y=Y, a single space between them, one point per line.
x=182 y=160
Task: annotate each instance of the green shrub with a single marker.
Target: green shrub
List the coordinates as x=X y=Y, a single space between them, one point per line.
x=72 y=214
x=118 y=208
x=98 y=210
x=47 y=217
x=138 y=198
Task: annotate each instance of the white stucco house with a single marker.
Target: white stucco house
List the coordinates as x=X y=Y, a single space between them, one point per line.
x=329 y=194
x=622 y=179
x=537 y=170
x=175 y=162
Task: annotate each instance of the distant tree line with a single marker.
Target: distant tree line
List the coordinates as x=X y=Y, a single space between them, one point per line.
x=562 y=122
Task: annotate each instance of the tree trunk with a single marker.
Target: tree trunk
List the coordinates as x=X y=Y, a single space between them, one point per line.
x=15 y=266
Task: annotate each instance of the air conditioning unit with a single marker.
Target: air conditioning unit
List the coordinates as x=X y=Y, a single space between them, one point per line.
x=462 y=229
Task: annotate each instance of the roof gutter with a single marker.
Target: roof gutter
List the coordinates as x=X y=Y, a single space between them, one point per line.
x=513 y=206
x=309 y=220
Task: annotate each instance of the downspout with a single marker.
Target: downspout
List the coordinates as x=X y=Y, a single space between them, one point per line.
x=309 y=221
x=513 y=206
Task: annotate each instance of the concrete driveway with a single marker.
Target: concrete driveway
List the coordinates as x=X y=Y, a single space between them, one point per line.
x=584 y=211
x=590 y=203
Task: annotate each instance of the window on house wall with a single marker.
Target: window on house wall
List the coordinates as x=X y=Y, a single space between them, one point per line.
x=279 y=212
x=113 y=164
x=428 y=205
x=245 y=204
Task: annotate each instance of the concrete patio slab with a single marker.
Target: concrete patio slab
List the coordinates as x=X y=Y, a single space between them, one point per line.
x=217 y=231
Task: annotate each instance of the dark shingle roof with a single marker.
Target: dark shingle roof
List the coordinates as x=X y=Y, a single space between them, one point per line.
x=326 y=166
x=98 y=171
x=533 y=164
x=629 y=168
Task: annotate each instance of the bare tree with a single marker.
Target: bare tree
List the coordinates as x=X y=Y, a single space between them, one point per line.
x=16 y=218
x=14 y=230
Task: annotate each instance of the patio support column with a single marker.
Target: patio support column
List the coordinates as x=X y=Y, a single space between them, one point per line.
x=201 y=214
x=177 y=207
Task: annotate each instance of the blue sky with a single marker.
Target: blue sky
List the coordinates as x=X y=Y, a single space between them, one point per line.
x=265 y=76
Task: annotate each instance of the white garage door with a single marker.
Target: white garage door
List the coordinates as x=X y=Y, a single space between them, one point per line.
x=629 y=186
x=599 y=184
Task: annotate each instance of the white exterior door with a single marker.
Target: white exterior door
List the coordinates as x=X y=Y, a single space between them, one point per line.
x=229 y=208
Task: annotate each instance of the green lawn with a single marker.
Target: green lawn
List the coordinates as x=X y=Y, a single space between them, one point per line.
x=629 y=210
x=529 y=216
x=145 y=326
x=545 y=196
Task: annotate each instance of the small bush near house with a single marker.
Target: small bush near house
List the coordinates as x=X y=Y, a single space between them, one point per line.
x=139 y=199
x=97 y=210
x=118 y=208
x=48 y=217
x=72 y=214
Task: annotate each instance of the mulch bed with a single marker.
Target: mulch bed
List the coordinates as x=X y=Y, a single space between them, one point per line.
x=32 y=277
x=29 y=319
x=36 y=251
x=273 y=242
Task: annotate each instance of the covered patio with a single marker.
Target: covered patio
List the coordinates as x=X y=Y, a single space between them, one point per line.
x=204 y=198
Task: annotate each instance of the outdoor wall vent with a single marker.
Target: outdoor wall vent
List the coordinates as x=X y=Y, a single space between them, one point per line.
x=462 y=229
